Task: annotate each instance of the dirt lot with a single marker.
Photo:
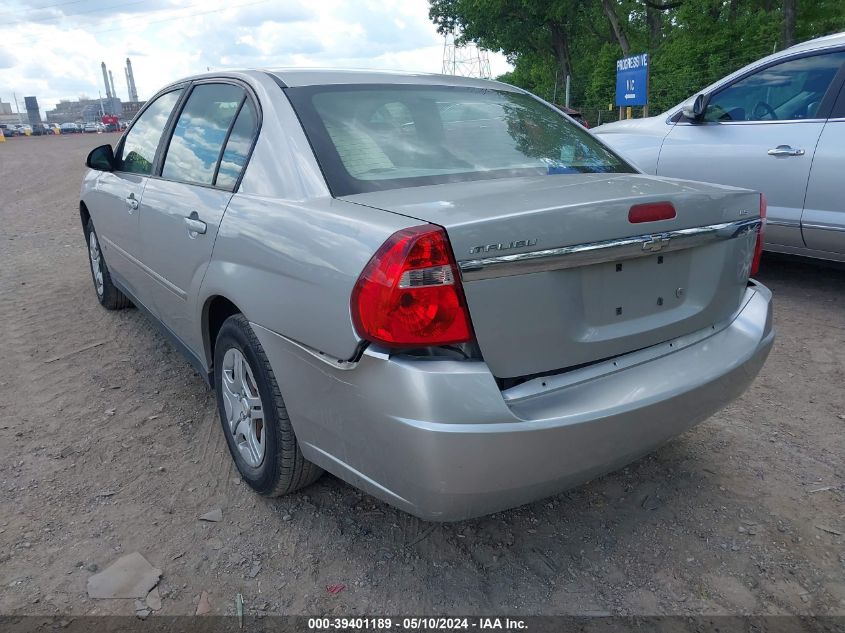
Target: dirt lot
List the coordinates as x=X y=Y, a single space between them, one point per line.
x=110 y=444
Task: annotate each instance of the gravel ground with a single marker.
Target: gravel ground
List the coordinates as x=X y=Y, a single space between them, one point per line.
x=110 y=444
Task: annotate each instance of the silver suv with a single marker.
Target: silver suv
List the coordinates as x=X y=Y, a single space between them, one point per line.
x=442 y=290
x=777 y=126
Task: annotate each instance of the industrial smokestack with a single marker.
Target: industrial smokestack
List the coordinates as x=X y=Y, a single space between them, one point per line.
x=111 y=81
x=133 y=91
x=128 y=87
x=106 y=79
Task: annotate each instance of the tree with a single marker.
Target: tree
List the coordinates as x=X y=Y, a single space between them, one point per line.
x=788 y=23
x=691 y=43
x=514 y=27
x=618 y=31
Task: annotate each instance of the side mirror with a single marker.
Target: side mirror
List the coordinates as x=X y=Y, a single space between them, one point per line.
x=695 y=112
x=101 y=158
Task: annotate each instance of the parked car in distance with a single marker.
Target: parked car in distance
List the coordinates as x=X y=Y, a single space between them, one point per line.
x=776 y=126
x=575 y=114
x=70 y=128
x=90 y=128
x=457 y=316
x=8 y=130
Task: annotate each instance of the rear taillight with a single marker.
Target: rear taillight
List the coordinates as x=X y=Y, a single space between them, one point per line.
x=758 y=247
x=409 y=293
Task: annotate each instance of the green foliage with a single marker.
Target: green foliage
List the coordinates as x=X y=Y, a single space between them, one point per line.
x=691 y=44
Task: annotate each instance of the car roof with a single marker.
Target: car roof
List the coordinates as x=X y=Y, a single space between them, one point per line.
x=296 y=77
x=328 y=76
x=836 y=39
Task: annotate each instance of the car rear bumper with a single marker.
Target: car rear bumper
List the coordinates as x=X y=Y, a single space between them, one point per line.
x=438 y=438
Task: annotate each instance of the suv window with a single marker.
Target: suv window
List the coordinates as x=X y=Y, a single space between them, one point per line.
x=200 y=133
x=790 y=90
x=237 y=147
x=139 y=146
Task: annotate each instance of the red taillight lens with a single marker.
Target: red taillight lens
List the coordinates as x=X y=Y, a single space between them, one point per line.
x=758 y=247
x=410 y=294
x=651 y=212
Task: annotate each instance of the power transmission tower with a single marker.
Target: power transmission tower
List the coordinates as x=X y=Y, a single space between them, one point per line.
x=466 y=60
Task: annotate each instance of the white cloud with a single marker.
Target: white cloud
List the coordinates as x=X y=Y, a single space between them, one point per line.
x=55 y=52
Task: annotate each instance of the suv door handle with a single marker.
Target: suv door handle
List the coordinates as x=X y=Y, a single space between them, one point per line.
x=785 y=150
x=195 y=225
x=132 y=202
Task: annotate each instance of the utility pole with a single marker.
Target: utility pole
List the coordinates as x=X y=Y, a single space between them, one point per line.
x=17 y=109
x=466 y=60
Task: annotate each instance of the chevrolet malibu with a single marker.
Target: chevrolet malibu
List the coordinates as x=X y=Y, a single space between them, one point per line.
x=442 y=290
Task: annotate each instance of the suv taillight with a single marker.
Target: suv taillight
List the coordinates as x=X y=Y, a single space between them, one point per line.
x=410 y=294
x=758 y=247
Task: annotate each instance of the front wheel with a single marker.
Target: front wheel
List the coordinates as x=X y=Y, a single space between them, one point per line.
x=107 y=293
x=253 y=414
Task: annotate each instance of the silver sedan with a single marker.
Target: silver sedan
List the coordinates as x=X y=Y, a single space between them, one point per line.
x=441 y=290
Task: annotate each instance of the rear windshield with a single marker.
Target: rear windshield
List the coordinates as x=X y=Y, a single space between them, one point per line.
x=369 y=138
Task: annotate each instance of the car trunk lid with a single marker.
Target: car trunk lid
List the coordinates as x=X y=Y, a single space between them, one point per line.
x=556 y=276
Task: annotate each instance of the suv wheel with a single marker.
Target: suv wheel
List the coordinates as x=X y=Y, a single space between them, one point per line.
x=107 y=293
x=253 y=414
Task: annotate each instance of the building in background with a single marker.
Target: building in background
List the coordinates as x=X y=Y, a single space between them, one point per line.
x=7 y=116
x=84 y=110
x=92 y=110
x=130 y=109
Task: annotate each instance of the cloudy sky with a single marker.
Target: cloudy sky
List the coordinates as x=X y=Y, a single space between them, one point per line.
x=53 y=48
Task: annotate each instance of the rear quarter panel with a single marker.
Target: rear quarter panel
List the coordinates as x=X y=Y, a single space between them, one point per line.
x=290 y=266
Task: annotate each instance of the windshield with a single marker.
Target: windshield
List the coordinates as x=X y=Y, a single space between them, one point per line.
x=369 y=138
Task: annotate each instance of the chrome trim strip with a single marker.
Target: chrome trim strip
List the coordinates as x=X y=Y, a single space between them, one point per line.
x=794 y=225
x=766 y=122
x=823 y=227
x=601 y=252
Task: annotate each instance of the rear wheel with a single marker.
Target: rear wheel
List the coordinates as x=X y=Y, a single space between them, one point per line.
x=253 y=414
x=107 y=293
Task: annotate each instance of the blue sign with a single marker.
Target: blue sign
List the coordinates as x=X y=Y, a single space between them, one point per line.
x=632 y=80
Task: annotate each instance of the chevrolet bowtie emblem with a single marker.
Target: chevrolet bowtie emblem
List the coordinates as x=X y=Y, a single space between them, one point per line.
x=656 y=243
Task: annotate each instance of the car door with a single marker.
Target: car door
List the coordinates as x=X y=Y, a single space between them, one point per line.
x=760 y=132
x=182 y=207
x=114 y=203
x=823 y=220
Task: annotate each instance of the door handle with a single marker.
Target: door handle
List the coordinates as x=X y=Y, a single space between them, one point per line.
x=785 y=150
x=132 y=202
x=195 y=225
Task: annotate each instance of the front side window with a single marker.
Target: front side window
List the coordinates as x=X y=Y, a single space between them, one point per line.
x=787 y=91
x=369 y=138
x=139 y=146
x=200 y=132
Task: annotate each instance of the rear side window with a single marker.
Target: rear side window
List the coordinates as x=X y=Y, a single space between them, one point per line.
x=237 y=147
x=200 y=133
x=141 y=142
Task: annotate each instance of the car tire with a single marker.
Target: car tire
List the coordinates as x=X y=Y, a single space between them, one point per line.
x=261 y=440
x=107 y=293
